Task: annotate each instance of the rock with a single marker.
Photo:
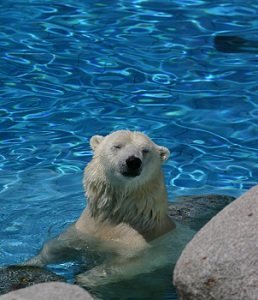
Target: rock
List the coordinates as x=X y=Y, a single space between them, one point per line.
x=49 y=291
x=17 y=277
x=221 y=261
x=196 y=211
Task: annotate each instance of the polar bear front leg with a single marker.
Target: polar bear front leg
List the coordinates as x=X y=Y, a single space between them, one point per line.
x=50 y=253
x=99 y=275
x=56 y=250
x=116 y=270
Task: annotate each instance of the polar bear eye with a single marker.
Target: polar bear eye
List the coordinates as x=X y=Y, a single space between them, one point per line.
x=117 y=146
x=145 y=151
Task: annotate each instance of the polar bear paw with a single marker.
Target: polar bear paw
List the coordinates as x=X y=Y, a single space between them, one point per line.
x=92 y=278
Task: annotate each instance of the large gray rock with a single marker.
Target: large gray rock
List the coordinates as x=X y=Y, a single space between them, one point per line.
x=221 y=261
x=49 y=291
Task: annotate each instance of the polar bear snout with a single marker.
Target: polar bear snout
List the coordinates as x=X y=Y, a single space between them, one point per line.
x=133 y=166
x=133 y=163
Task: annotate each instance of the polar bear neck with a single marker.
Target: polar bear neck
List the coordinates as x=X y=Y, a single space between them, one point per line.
x=142 y=207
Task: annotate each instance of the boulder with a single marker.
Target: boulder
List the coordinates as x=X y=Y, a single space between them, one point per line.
x=49 y=291
x=221 y=261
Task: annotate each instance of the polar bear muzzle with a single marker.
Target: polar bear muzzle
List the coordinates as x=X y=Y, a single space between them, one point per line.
x=133 y=166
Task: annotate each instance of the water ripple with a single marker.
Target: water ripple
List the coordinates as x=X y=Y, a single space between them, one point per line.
x=71 y=70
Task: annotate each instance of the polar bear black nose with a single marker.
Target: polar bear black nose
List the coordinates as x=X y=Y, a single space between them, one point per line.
x=133 y=163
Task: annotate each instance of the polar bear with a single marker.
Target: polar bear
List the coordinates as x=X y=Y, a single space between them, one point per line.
x=126 y=212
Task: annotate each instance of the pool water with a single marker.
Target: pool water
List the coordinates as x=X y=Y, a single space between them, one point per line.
x=72 y=69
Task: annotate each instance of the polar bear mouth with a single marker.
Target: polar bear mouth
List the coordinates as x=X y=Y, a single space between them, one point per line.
x=131 y=173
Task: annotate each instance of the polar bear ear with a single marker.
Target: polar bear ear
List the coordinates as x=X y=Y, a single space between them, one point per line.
x=164 y=153
x=95 y=141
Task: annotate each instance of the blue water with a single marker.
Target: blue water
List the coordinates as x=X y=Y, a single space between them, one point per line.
x=72 y=69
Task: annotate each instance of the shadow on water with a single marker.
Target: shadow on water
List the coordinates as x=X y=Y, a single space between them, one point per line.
x=235 y=44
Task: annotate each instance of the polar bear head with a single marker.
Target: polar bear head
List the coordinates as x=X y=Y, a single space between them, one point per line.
x=124 y=181
x=125 y=156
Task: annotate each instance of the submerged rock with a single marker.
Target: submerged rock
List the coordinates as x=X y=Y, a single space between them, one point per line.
x=197 y=210
x=221 y=261
x=17 y=277
x=49 y=291
x=235 y=44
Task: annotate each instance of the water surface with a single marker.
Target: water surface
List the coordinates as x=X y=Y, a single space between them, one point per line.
x=73 y=69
